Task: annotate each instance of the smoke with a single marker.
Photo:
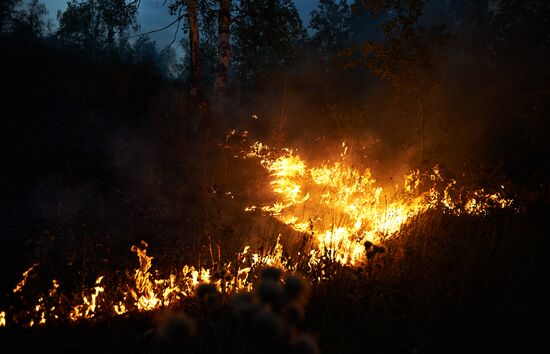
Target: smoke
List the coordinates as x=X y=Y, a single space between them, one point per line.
x=479 y=119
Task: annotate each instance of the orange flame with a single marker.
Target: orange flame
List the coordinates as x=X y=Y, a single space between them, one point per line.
x=344 y=208
x=341 y=207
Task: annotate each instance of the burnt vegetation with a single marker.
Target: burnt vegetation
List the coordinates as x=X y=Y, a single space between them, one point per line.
x=109 y=138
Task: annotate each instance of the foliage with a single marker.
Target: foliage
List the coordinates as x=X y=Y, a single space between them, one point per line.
x=23 y=20
x=409 y=55
x=97 y=24
x=267 y=37
x=332 y=26
x=145 y=51
x=7 y=8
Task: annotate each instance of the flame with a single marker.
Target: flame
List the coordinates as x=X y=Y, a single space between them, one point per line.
x=89 y=303
x=148 y=292
x=143 y=294
x=23 y=281
x=341 y=208
x=344 y=208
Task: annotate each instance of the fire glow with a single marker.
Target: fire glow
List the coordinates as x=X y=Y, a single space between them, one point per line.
x=344 y=208
x=341 y=209
x=145 y=291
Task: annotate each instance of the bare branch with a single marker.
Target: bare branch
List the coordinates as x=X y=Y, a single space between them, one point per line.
x=177 y=20
x=177 y=28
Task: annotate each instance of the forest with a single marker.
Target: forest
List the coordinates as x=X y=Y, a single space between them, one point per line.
x=274 y=176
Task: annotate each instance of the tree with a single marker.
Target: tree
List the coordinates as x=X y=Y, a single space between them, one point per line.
x=519 y=76
x=144 y=50
x=207 y=44
x=331 y=23
x=208 y=27
x=224 y=55
x=189 y=9
x=76 y=25
x=409 y=54
x=25 y=21
x=192 y=18
x=7 y=12
x=97 y=24
x=268 y=37
x=31 y=20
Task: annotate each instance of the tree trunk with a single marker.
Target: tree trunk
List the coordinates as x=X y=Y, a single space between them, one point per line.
x=194 y=46
x=224 y=19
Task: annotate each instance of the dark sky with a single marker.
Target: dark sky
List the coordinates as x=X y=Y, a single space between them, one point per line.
x=153 y=15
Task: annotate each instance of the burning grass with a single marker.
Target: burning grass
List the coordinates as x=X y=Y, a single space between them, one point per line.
x=344 y=209
x=339 y=215
x=447 y=283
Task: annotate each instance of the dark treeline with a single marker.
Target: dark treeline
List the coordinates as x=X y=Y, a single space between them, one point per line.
x=438 y=81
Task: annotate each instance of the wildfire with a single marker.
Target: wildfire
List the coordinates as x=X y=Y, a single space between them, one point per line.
x=342 y=209
x=147 y=292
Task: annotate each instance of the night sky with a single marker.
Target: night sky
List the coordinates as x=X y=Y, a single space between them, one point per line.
x=153 y=15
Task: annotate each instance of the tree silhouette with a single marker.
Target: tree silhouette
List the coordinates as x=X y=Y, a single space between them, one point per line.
x=409 y=54
x=268 y=36
x=97 y=25
x=23 y=20
x=332 y=26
